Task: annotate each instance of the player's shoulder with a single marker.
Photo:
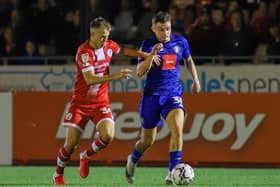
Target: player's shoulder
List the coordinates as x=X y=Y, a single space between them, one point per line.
x=110 y=43
x=176 y=37
x=84 y=47
x=179 y=40
x=147 y=43
x=84 y=52
x=150 y=40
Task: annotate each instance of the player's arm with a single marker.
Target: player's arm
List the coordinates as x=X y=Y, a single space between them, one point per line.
x=133 y=52
x=85 y=61
x=91 y=78
x=192 y=69
x=146 y=64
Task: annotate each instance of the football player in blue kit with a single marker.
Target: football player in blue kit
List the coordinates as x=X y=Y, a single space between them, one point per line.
x=162 y=95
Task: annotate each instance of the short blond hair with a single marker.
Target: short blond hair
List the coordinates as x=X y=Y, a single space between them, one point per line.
x=99 y=22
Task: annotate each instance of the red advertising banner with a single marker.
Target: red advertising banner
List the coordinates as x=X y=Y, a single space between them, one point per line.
x=219 y=128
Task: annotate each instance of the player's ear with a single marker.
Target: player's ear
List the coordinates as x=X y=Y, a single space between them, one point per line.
x=153 y=28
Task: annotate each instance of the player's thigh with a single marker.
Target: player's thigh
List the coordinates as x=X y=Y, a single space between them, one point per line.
x=72 y=136
x=103 y=119
x=175 y=121
x=173 y=111
x=150 y=112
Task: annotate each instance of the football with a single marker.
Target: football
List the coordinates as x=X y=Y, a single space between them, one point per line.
x=182 y=174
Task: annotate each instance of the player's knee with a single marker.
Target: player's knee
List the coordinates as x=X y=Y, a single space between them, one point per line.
x=107 y=137
x=70 y=148
x=71 y=144
x=148 y=142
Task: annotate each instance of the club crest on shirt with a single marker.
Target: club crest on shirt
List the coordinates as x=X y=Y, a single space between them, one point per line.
x=85 y=59
x=110 y=52
x=176 y=49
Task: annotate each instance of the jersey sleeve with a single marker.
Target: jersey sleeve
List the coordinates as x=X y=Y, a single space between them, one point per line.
x=186 y=50
x=115 y=47
x=85 y=59
x=145 y=48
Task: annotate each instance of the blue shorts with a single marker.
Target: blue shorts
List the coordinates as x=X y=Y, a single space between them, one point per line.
x=153 y=107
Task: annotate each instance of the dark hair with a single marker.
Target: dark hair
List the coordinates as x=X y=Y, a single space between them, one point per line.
x=161 y=17
x=98 y=22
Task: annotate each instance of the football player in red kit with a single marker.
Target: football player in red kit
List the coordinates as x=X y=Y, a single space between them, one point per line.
x=90 y=99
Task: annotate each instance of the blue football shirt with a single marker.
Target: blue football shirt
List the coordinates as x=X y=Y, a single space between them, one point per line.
x=165 y=79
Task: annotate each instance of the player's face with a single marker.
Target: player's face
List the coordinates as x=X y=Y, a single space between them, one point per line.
x=162 y=31
x=99 y=37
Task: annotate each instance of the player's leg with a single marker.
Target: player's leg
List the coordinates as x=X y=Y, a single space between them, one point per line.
x=64 y=153
x=175 y=121
x=105 y=129
x=75 y=122
x=147 y=139
x=105 y=136
x=150 y=115
x=173 y=112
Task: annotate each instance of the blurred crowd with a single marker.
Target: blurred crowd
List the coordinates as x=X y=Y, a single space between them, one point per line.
x=33 y=28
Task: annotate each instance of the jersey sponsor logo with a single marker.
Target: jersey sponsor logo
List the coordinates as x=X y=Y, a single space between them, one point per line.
x=101 y=65
x=169 y=61
x=85 y=59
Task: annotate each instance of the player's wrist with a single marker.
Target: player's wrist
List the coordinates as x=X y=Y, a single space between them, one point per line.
x=196 y=80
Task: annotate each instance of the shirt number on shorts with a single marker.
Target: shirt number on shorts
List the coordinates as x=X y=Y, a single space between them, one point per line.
x=105 y=110
x=177 y=99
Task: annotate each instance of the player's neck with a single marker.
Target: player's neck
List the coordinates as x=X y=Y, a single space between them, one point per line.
x=91 y=44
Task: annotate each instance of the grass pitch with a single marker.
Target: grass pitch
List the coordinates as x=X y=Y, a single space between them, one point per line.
x=145 y=177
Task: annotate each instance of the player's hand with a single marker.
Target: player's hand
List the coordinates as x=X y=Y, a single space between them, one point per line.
x=196 y=87
x=125 y=73
x=156 y=60
x=157 y=48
